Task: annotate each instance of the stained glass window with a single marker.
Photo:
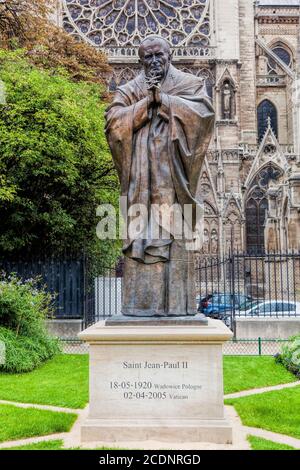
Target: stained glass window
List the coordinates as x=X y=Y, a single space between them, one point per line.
x=283 y=54
x=266 y=110
x=256 y=208
x=255 y=221
x=125 y=22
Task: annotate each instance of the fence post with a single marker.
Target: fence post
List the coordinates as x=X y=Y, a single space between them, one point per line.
x=232 y=291
x=259 y=346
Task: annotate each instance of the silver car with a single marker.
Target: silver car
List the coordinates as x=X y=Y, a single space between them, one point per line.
x=272 y=308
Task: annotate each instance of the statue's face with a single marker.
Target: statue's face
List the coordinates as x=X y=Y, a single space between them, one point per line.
x=155 y=57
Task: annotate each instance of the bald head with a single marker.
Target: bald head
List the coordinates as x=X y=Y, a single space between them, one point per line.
x=150 y=40
x=155 y=56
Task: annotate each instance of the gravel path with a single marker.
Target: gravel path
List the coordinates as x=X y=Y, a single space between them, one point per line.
x=257 y=391
x=273 y=436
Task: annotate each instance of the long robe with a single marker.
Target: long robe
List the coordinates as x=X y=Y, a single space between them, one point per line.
x=158 y=153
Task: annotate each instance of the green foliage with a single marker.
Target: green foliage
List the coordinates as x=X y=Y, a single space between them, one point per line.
x=23 y=309
x=290 y=355
x=55 y=164
x=23 y=306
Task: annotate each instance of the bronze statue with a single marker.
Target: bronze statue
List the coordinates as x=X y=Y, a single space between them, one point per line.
x=159 y=127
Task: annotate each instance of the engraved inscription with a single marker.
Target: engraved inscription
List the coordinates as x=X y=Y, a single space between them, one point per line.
x=155 y=389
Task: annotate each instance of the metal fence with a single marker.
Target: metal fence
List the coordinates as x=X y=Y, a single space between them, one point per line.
x=266 y=277
x=243 y=285
x=230 y=287
x=67 y=279
x=243 y=347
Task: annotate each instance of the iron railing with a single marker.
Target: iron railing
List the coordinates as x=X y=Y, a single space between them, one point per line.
x=67 y=279
x=239 y=285
x=249 y=285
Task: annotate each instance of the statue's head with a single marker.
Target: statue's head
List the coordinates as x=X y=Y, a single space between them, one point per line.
x=155 y=56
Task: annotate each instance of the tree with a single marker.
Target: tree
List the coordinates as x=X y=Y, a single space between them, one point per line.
x=20 y=19
x=55 y=164
x=27 y=24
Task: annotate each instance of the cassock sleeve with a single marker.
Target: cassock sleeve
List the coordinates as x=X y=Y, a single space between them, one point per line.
x=123 y=119
x=191 y=126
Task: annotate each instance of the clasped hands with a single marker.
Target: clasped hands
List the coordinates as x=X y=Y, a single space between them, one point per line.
x=153 y=87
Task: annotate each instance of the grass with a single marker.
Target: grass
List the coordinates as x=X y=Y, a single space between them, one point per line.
x=20 y=423
x=45 y=445
x=276 y=411
x=54 y=445
x=245 y=373
x=257 y=443
x=62 y=381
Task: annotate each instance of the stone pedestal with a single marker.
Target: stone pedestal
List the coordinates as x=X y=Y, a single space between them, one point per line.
x=161 y=383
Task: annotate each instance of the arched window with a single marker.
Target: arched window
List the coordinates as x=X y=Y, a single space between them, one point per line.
x=255 y=223
x=256 y=208
x=283 y=54
x=266 y=110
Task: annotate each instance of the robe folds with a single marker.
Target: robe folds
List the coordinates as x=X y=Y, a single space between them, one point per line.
x=158 y=153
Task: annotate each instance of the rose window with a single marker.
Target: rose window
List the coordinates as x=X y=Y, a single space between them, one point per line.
x=115 y=23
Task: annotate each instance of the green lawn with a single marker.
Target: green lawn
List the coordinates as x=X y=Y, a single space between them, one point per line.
x=45 y=445
x=257 y=443
x=54 y=445
x=248 y=372
x=20 y=423
x=276 y=411
x=62 y=381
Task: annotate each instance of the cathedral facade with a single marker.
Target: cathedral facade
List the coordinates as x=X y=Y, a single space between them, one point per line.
x=248 y=54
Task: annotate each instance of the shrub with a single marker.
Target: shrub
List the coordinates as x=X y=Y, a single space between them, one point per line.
x=290 y=355
x=23 y=309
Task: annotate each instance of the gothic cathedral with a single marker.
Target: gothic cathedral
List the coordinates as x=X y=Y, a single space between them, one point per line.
x=248 y=54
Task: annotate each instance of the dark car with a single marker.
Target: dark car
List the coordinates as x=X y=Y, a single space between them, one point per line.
x=214 y=305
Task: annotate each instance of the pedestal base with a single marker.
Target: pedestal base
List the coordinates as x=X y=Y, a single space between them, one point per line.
x=216 y=431
x=161 y=383
x=122 y=320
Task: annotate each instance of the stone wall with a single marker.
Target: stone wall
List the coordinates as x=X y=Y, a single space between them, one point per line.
x=247 y=72
x=278 y=96
x=267 y=328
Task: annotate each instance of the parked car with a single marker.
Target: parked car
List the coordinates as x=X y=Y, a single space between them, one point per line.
x=271 y=308
x=216 y=304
